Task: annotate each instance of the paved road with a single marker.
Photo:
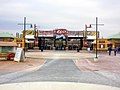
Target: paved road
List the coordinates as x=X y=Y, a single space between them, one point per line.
x=64 y=70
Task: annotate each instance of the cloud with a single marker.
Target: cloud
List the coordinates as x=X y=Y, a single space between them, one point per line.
x=71 y=14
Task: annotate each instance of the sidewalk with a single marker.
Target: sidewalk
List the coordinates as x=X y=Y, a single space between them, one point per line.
x=10 y=66
x=105 y=63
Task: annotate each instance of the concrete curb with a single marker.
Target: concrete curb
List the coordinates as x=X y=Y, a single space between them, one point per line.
x=55 y=86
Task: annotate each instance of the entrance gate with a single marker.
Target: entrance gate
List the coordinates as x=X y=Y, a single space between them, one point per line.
x=60 y=44
x=60 y=36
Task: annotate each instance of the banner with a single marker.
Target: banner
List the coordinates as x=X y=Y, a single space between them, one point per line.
x=60 y=36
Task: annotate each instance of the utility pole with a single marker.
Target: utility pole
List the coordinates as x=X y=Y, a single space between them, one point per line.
x=85 y=34
x=78 y=49
x=97 y=34
x=24 y=33
x=35 y=31
x=24 y=29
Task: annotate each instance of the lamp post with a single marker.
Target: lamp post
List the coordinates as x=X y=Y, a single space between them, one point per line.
x=24 y=33
x=78 y=43
x=85 y=35
x=24 y=29
x=35 y=34
x=96 y=35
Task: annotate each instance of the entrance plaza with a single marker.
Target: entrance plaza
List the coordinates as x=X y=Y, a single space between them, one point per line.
x=107 y=66
x=84 y=60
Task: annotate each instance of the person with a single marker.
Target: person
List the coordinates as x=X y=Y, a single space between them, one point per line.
x=115 y=51
x=109 y=49
x=42 y=48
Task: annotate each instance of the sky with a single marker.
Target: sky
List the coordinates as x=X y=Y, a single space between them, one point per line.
x=67 y=14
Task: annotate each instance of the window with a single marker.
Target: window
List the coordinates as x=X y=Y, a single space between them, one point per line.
x=102 y=46
x=102 y=41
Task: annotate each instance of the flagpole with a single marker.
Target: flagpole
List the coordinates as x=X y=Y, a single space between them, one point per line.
x=85 y=33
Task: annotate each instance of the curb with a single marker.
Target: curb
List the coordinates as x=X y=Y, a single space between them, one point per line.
x=55 y=86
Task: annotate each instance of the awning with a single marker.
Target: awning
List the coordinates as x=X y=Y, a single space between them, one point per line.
x=29 y=37
x=91 y=37
x=8 y=44
x=94 y=42
x=26 y=41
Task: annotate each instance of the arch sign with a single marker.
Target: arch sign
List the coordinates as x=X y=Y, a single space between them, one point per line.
x=60 y=32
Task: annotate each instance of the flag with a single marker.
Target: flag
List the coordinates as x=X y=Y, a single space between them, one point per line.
x=36 y=26
x=88 y=26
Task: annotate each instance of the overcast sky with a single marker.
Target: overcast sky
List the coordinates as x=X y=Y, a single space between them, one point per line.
x=68 y=14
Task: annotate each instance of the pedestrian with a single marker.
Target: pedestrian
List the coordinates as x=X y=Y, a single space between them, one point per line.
x=109 y=50
x=115 y=51
x=42 y=48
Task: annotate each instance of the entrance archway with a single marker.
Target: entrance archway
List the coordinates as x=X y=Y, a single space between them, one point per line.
x=60 y=37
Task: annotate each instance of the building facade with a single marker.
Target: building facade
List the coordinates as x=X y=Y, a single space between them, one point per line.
x=103 y=44
x=61 y=39
x=7 y=46
x=116 y=39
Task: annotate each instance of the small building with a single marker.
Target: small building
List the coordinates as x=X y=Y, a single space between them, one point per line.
x=20 y=42
x=7 y=37
x=116 y=39
x=7 y=45
x=29 y=42
x=103 y=44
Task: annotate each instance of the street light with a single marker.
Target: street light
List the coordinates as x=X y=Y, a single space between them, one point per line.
x=96 y=34
x=24 y=29
x=78 y=43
